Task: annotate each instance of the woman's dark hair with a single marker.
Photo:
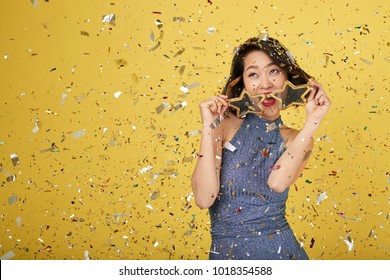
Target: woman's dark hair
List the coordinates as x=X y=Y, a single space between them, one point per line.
x=275 y=50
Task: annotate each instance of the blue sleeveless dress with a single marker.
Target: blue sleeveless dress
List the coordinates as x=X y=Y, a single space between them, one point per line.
x=248 y=218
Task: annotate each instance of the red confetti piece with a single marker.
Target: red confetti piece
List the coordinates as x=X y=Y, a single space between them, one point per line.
x=276 y=167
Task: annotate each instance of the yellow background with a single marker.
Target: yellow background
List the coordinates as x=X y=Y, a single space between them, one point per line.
x=103 y=174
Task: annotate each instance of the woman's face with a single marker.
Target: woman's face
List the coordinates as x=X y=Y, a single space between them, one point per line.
x=262 y=76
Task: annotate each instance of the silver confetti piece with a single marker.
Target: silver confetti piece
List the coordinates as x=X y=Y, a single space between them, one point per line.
x=229 y=146
x=181 y=105
x=163 y=106
x=216 y=122
x=15 y=159
x=7 y=256
x=110 y=18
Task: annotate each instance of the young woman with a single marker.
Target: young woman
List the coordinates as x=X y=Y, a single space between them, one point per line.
x=246 y=164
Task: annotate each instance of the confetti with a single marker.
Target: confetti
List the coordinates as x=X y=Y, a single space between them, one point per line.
x=321 y=197
x=161 y=107
x=110 y=18
x=12 y=199
x=211 y=30
x=11 y=178
x=229 y=146
x=179 y=19
x=63 y=98
x=217 y=121
x=149 y=206
x=276 y=167
x=179 y=52
x=155 y=47
x=194 y=132
x=7 y=256
x=145 y=169
x=19 y=222
x=117 y=94
x=366 y=61
x=78 y=134
x=36 y=127
x=154 y=195
x=181 y=105
x=350 y=243
x=35 y=3
x=159 y=24
x=312 y=241
x=15 y=159
x=151 y=37
x=181 y=70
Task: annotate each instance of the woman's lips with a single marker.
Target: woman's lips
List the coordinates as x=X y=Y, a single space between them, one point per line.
x=268 y=101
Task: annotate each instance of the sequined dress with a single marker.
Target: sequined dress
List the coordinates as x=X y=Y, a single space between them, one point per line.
x=248 y=218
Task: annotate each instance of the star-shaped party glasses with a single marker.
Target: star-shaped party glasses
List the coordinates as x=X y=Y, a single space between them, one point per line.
x=287 y=96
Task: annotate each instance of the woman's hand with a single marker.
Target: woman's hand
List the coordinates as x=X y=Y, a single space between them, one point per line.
x=211 y=108
x=318 y=102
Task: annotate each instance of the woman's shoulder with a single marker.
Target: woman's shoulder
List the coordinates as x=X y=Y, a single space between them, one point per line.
x=229 y=126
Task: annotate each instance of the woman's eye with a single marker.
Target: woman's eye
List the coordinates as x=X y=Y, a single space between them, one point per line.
x=252 y=75
x=275 y=71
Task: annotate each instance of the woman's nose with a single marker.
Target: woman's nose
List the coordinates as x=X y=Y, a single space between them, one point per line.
x=266 y=82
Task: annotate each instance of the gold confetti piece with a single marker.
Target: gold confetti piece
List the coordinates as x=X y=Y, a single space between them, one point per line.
x=181 y=70
x=117 y=94
x=159 y=24
x=35 y=3
x=48 y=111
x=188 y=159
x=155 y=47
x=11 y=178
x=179 y=52
x=84 y=33
x=15 y=159
x=179 y=19
x=154 y=195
